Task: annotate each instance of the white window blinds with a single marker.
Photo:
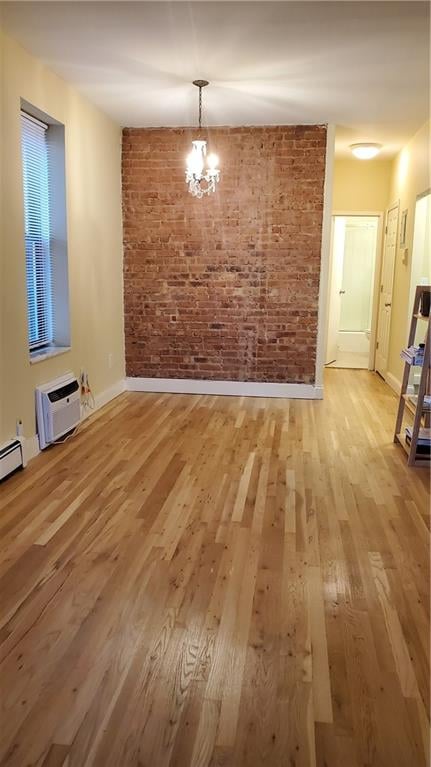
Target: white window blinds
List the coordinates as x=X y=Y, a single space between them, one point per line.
x=37 y=231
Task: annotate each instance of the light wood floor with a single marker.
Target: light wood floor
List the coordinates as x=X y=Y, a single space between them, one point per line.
x=198 y=580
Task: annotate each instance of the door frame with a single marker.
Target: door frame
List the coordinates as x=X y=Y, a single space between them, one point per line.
x=394 y=205
x=375 y=293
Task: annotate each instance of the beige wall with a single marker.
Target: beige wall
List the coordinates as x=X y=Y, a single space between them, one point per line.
x=410 y=177
x=361 y=185
x=93 y=191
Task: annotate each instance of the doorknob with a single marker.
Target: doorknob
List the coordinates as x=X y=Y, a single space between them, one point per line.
x=388 y=304
x=341 y=292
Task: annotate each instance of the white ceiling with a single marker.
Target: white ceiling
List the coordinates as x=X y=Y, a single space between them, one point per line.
x=361 y=65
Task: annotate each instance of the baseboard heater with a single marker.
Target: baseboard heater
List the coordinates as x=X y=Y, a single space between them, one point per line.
x=58 y=409
x=11 y=458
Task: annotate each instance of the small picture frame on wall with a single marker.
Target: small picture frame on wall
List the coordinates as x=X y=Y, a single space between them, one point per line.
x=403 y=229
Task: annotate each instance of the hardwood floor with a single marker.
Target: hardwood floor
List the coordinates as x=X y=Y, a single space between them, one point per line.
x=197 y=580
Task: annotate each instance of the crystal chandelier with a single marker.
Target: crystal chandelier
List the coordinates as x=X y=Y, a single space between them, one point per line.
x=202 y=173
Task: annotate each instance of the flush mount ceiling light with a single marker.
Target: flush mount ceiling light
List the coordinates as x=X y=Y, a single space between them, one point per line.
x=365 y=151
x=202 y=173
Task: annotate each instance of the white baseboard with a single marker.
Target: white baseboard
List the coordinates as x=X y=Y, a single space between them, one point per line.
x=228 y=388
x=30 y=447
x=393 y=382
x=104 y=397
x=113 y=391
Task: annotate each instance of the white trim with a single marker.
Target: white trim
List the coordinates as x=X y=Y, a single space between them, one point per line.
x=225 y=388
x=393 y=382
x=325 y=258
x=30 y=447
x=44 y=354
x=104 y=397
x=375 y=294
x=360 y=213
x=113 y=391
x=393 y=206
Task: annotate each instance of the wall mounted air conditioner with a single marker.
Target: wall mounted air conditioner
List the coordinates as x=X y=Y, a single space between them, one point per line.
x=11 y=457
x=58 y=408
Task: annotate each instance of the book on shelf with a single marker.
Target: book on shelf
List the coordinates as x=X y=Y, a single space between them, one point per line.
x=424 y=436
x=414 y=355
x=420 y=449
x=423 y=445
x=426 y=406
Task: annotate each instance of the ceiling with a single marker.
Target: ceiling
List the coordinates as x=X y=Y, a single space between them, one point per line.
x=361 y=65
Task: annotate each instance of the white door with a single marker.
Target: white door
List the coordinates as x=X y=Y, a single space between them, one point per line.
x=386 y=287
x=335 y=292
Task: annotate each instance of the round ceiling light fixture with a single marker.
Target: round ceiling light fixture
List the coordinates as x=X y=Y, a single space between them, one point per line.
x=365 y=151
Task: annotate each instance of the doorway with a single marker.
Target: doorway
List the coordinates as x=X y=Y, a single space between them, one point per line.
x=352 y=292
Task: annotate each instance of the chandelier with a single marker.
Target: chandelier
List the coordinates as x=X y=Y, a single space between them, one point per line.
x=202 y=173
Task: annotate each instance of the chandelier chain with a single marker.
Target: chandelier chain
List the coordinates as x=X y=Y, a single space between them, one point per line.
x=200 y=107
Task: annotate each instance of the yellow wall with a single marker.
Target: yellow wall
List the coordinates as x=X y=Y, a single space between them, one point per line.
x=361 y=185
x=93 y=190
x=410 y=177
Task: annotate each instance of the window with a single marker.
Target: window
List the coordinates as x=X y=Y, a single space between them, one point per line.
x=37 y=231
x=42 y=145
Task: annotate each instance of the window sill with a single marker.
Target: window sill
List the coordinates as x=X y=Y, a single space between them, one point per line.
x=44 y=354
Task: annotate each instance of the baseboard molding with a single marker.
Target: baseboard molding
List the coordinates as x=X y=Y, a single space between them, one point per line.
x=30 y=448
x=113 y=391
x=393 y=382
x=104 y=397
x=225 y=388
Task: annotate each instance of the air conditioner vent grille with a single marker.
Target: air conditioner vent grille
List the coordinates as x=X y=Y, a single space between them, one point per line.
x=63 y=391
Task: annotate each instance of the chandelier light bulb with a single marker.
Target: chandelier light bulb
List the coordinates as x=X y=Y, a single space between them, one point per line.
x=212 y=161
x=195 y=160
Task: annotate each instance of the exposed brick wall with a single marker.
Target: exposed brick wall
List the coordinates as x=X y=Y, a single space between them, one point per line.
x=225 y=287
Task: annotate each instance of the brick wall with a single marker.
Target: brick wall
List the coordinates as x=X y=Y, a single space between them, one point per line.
x=225 y=287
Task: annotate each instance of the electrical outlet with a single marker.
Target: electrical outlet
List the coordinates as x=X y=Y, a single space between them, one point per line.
x=82 y=374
